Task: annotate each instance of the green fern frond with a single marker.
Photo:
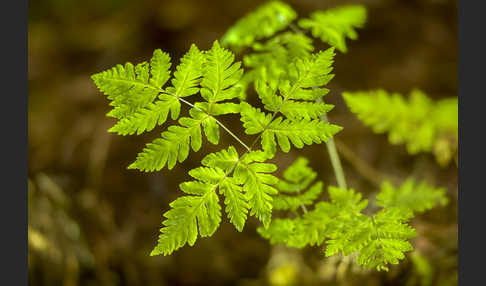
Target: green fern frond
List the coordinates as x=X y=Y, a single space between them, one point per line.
x=284 y=131
x=220 y=76
x=308 y=230
x=224 y=159
x=159 y=68
x=297 y=177
x=257 y=185
x=286 y=202
x=254 y=120
x=189 y=215
x=236 y=203
x=305 y=80
x=390 y=239
x=306 y=76
x=299 y=133
x=416 y=197
x=132 y=90
x=333 y=26
x=273 y=56
x=127 y=87
x=314 y=226
x=199 y=212
x=379 y=240
x=347 y=201
x=188 y=74
x=146 y=118
x=264 y=22
x=420 y=123
x=215 y=72
x=292 y=109
x=176 y=142
x=271 y=59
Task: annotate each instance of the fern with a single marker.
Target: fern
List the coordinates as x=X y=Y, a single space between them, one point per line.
x=341 y=225
x=244 y=182
x=270 y=59
x=132 y=91
x=284 y=131
x=220 y=75
x=261 y=23
x=304 y=82
x=420 y=123
x=297 y=178
x=127 y=87
x=290 y=80
x=416 y=197
x=197 y=71
x=334 y=25
x=176 y=142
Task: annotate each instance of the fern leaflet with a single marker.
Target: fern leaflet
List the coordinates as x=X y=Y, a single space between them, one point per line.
x=422 y=124
x=334 y=25
x=261 y=23
x=416 y=197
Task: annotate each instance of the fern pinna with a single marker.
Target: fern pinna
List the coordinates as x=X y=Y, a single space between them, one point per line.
x=290 y=80
x=422 y=124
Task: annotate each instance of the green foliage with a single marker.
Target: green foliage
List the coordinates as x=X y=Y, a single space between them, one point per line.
x=286 y=131
x=132 y=90
x=245 y=183
x=264 y=22
x=295 y=92
x=416 y=197
x=127 y=87
x=220 y=75
x=289 y=79
x=270 y=58
x=176 y=142
x=342 y=226
x=420 y=123
x=297 y=178
x=334 y=25
x=287 y=86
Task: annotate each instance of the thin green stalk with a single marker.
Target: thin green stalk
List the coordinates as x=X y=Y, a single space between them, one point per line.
x=217 y=121
x=335 y=160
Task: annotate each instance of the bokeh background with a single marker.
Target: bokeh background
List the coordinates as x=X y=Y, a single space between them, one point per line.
x=93 y=222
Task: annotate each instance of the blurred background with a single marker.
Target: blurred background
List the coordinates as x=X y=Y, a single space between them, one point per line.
x=93 y=222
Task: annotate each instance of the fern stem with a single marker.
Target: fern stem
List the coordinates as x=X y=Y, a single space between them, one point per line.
x=304 y=209
x=335 y=160
x=217 y=121
x=233 y=135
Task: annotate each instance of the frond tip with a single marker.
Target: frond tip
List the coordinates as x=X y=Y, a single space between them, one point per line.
x=133 y=89
x=263 y=22
x=333 y=26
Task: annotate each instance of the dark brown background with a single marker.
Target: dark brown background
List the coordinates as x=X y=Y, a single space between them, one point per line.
x=93 y=222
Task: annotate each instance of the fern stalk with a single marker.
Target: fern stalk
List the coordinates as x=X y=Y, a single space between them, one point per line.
x=219 y=123
x=335 y=160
